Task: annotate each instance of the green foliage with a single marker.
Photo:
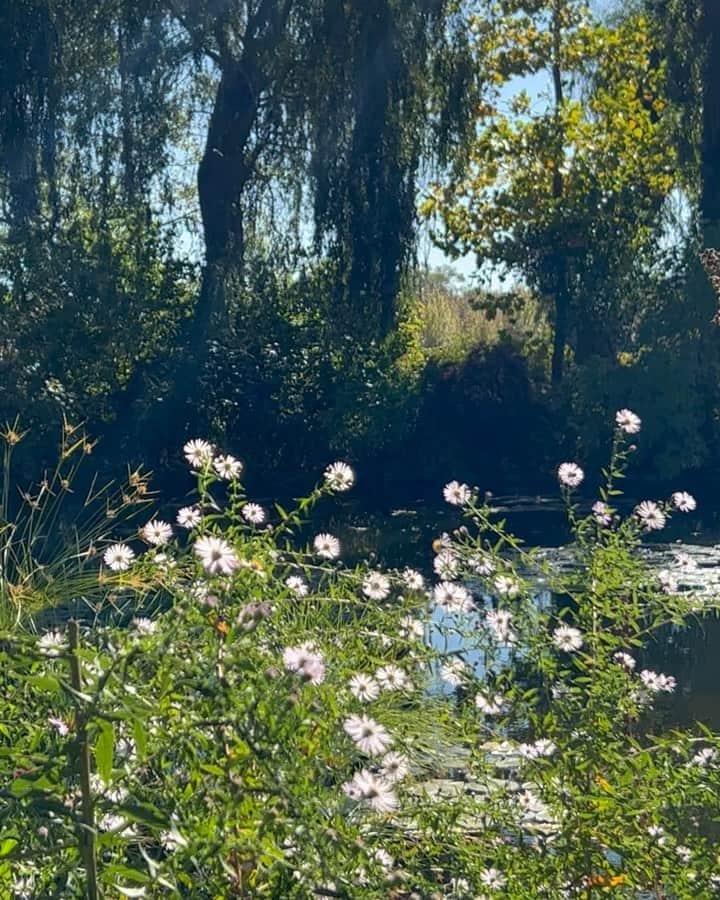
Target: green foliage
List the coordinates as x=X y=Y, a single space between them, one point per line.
x=216 y=748
x=565 y=190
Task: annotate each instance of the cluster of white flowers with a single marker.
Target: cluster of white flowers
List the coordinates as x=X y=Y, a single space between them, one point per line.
x=656 y=682
x=410 y=628
x=377 y=792
x=297 y=585
x=307 y=661
x=542 y=747
x=490 y=704
x=455 y=672
x=601 y=512
x=506 y=586
x=499 y=623
x=446 y=563
x=625 y=660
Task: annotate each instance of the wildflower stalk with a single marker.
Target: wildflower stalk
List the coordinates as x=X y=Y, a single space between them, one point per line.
x=87 y=835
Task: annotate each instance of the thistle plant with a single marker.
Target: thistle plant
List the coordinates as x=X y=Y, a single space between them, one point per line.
x=288 y=726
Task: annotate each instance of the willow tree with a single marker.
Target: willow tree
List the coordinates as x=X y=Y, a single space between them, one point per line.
x=555 y=188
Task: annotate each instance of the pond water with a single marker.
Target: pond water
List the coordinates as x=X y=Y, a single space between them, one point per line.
x=403 y=537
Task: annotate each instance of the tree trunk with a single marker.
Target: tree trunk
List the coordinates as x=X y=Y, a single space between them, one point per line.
x=562 y=293
x=223 y=176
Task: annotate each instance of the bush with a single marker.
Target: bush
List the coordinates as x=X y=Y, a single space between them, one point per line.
x=290 y=727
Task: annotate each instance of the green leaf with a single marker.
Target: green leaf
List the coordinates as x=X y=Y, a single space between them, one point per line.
x=7 y=846
x=104 y=751
x=145 y=813
x=46 y=683
x=140 y=738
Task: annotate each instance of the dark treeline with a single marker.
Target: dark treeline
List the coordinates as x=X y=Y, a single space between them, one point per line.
x=212 y=212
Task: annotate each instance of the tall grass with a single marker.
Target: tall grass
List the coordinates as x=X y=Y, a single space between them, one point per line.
x=51 y=531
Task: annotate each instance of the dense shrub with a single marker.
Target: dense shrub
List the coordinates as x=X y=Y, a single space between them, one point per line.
x=249 y=717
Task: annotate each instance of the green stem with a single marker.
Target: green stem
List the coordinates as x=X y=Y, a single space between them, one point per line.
x=87 y=834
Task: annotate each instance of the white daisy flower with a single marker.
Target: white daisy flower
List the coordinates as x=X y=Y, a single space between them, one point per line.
x=453 y=598
x=227 y=467
x=392 y=678
x=216 y=555
x=364 y=688
x=493 y=878
x=119 y=557
x=52 y=643
x=685 y=562
x=650 y=514
x=307 y=661
x=490 y=704
x=625 y=660
x=567 y=638
x=541 y=747
x=368 y=735
x=570 y=475
x=297 y=585
x=144 y=626
x=668 y=582
x=189 y=517
x=326 y=546
x=601 y=512
x=482 y=564
x=685 y=853
x=156 y=532
x=657 y=683
x=627 y=421
x=383 y=858
x=394 y=766
x=410 y=628
x=499 y=621
x=683 y=501
x=454 y=672
x=446 y=563
x=376 y=586
x=339 y=477
x=506 y=586
x=377 y=792
x=60 y=725
x=198 y=453
x=704 y=757
x=253 y=513
x=457 y=494
x=413 y=580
